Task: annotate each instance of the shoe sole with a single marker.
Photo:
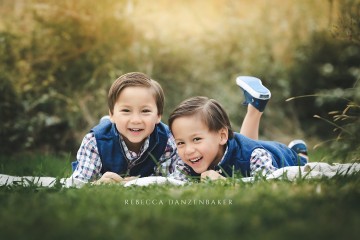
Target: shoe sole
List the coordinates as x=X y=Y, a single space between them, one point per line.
x=295 y=142
x=257 y=90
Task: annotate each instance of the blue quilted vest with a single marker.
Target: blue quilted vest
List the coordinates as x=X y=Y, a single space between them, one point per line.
x=113 y=156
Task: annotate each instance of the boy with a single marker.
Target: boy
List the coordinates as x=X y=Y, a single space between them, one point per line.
x=207 y=145
x=133 y=141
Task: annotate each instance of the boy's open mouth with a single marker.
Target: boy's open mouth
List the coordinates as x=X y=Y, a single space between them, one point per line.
x=195 y=160
x=135 y=129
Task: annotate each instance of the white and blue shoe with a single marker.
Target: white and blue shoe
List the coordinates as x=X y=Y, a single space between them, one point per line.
x=104 y=118
x=255 y=93
x=299 y=146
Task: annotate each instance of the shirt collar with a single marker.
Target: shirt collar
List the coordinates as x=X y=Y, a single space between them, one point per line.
x=222 y=159
x=133 y=155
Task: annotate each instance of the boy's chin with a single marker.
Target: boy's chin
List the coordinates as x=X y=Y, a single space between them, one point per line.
x=200 y=170
x=134 y=141
x=198 y=167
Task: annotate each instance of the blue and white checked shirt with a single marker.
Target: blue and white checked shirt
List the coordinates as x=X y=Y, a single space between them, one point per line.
x=89 y=162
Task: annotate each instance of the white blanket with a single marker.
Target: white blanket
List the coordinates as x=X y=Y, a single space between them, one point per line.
x=38 y=181
x=315 y=170
x=70 y=182
x=309 y=171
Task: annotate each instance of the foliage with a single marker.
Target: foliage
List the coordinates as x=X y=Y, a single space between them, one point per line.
x=58 y=59
x=325 y=68
x=30 y=164
x=54 y=66
x=347 y=142
x=335 y=100
x=10 y=110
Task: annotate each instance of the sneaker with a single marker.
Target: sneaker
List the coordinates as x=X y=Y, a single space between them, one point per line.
x=105 y=118
x=255 y=93
x=299 y=146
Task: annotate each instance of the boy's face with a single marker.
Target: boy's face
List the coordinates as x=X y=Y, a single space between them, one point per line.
x=135 y=115
x=197 y=146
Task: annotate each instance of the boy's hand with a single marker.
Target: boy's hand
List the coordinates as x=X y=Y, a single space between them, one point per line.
x=212 y=175
x=109 y=177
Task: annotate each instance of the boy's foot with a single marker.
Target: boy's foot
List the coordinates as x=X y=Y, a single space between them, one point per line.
x=255 y=93
x=299 y=146
x=103 y=118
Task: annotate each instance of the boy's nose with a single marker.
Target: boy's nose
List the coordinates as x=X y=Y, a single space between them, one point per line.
x=136 y=117
x=189 y=149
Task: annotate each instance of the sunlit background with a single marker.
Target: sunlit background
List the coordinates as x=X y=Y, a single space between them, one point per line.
x=59 y=58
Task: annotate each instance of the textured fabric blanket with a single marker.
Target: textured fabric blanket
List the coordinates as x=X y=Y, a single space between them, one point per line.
x=309 y=171
x=70 y=182
x=315 y=170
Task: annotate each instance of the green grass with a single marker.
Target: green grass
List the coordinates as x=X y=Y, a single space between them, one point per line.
x=305 y=209
x=36 y=165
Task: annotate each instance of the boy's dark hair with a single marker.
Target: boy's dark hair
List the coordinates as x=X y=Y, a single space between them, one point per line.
x=209 y=111
x=136 y=79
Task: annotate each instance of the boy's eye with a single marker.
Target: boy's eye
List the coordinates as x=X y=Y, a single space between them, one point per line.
x=125 y=110
x=179 y=143
x=146 y=110
x=197 y=139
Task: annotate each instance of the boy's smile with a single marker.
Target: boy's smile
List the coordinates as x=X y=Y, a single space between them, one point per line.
x=135 y=115
x=197 y=146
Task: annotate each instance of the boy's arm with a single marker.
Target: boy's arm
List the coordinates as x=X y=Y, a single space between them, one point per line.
x=261 y=162
x=89 y=162
x=180 y=171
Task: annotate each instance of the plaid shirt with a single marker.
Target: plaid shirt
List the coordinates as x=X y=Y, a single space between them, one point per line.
x=89 y=162
x=261 y=162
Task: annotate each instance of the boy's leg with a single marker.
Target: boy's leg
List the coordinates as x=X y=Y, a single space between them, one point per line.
x=251 y=123
x=105 y=117
x=256 y=98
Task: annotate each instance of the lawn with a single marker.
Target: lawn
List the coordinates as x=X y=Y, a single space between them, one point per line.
x=303 y=209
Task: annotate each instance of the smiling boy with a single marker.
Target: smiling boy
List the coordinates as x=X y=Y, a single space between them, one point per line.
x=133 y=141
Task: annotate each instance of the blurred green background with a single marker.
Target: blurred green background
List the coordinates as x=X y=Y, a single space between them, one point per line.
x=59 y=58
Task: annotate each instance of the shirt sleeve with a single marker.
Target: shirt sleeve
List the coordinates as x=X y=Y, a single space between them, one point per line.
x=170 y=163
x=181 y=171
x=261 y=162
x=89 y=162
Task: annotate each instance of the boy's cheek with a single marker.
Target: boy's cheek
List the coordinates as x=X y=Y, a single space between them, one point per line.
x=180 y=154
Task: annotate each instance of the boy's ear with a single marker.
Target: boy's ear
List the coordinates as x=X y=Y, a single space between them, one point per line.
x=224 y=136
